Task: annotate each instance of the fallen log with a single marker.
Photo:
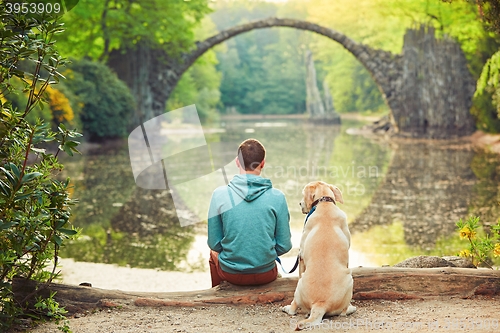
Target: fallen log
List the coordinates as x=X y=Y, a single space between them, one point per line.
x=369 y=283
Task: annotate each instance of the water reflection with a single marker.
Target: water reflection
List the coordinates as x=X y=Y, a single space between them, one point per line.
x=427 y=189
x=122 y=223
x=486 y=196
x=128 y=225
x=400 y=200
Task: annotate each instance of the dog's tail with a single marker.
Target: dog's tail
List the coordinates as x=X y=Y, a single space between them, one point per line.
x=317 y=313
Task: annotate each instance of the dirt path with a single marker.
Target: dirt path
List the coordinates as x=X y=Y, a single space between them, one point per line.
x=442 y=314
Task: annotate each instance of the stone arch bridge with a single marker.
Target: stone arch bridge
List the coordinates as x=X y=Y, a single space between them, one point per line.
x=427 y=87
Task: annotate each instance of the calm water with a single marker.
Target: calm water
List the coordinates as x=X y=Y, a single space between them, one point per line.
x=401 y=199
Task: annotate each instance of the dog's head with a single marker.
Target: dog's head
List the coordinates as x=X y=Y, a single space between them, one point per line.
x=316 y=190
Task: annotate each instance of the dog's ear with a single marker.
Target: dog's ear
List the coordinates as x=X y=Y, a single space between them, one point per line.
x=336 y=193
x=309 y=192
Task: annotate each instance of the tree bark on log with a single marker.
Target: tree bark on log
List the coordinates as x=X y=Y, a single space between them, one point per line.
x=369 y=283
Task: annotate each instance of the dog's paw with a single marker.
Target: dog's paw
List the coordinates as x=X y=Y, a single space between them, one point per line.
x=350 y=310
x=288 y=309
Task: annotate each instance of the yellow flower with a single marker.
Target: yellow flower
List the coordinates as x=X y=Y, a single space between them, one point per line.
x=464 y=253
x=496 y=250
x=465 y=232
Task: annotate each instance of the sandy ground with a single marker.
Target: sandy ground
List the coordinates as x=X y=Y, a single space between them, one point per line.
x=430 y=315
x=106 y=276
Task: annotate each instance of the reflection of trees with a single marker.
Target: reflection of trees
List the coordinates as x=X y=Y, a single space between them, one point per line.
x=122 y=223
x=103 y=180
x=486 y=198
x=320 y=143
x=428 y=188
x=162 y=251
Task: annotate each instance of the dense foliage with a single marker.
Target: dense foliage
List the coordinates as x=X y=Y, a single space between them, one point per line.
x=100 y=26
x=107 y=103
x=263 y=70
x=483 y=248
x=488 y=85
x=35 y=205
x=169 y=27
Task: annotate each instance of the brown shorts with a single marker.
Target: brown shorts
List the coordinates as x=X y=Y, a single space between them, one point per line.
x=219 y=275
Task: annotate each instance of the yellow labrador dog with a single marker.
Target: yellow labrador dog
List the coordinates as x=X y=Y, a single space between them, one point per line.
x=325 y=280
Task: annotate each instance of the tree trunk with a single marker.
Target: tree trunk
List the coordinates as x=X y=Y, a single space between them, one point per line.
x=369 y=283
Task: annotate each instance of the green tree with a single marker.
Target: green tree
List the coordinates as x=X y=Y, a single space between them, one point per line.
x=34 y=204
x=488 y=85
x=139 y=39
x=106 y=25
x=263 y=71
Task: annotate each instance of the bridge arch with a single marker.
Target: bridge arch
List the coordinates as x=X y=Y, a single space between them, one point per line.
x=415 y=103
x=362 y=52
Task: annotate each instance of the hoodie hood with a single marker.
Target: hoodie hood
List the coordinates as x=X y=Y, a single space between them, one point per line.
x=250 y=187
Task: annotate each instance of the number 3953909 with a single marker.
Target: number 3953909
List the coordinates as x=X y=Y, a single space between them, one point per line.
x=33 y=8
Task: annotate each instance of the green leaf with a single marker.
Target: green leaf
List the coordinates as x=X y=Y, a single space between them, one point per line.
x=15 y=170
x=5 y=188
x=57 y=240
x=74 y=134
x=30 y=176
x=7 y=225
x=10 y=176
x=23 y=196
x=62 y=128
x=66 y=149
x=38 y=150
x=68 y=232
x=60 y=224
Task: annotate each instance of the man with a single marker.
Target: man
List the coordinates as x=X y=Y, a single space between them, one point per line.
x=248 y=224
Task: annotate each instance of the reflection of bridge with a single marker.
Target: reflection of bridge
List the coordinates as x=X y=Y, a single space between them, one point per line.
x=428 y=87
x=428 y=188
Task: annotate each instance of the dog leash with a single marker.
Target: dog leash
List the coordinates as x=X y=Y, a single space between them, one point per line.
x=296 y=260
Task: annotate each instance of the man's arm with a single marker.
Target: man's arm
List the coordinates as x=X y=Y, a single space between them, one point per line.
x=215 y=231
x=282 y=233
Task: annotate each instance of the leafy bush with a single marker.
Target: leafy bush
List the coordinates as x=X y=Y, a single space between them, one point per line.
x=485 y=114
x=108 y=105
x=489 y=85
x=34 y=204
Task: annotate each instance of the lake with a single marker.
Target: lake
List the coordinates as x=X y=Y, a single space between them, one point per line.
x=402 y=198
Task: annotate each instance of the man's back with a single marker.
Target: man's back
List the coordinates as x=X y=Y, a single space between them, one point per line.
x=249 y=226
x=248 y=223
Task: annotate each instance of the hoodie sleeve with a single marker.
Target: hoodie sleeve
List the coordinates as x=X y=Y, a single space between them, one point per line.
x=282 y=233
x=215 y=231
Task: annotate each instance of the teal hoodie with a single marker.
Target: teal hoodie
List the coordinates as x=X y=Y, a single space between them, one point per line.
x=248 y=225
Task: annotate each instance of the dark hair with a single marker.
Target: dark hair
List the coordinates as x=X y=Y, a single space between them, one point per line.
x=250 y=154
